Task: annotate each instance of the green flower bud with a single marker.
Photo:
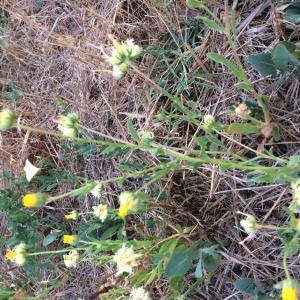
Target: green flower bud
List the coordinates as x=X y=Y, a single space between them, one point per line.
x=7 y=119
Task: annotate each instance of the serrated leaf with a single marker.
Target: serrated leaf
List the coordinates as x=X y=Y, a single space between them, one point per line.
x=246 y=286
x=243 y=128
x=238 y=72
x=263 y=64
x=134 y=134
x=212 y=24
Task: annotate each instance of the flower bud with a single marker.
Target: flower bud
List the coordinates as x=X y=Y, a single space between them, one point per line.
x=127 y=203
x=7 y=119
x=72 y=216
x=34 y=200
x=289 y=290
x=249 y=224
x=242 y=110
x=68 y=125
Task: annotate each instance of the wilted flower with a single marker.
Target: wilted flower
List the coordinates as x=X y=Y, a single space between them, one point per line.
x=242 y=110
x=18 y=254
x=249 y=224
x=71 y=259
x=7 y=119
x=126 y=259
x=70 y=239
x=34 y=200
x=68 y=125
x=100 y=211
x=97 y=190
x=139 y=294
x=289 y=290
x=127 y=203
x=72 y=216
x=30 y=170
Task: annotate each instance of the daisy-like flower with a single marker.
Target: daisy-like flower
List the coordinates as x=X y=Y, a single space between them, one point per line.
x=71 y=259
x=97 y=190
x=127 y=203
x=7 y=119
x=249 y=224
x=126 y=259
x=70 y=239
x=289 y=290
x=242 y=110
x=139 y=294
x=100 y=211
x=34 y=200
x=68 y=125
x=30 y=170
x=17 y=254
x=72 y=216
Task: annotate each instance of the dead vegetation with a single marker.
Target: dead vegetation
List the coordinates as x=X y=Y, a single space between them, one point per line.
x=56 y=50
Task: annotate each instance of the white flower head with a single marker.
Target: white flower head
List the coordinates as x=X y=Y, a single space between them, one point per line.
x=117 y=72
x=30 y=170
x=134 y=50
x=139 y=294
x=126 y=259
x=97 y=190
x=100 y=211
x=249 y=224
x=71 y=259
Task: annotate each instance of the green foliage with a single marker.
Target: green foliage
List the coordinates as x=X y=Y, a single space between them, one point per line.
x=292 y=12
x=12 y=93
x=283 y=58
x=250 y=288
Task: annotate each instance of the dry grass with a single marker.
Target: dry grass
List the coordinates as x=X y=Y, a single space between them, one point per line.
x=57 y=51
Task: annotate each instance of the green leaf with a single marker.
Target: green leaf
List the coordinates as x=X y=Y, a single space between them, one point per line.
x=237 y=71
x=179 y=264
x=4 y=43
x=134 y=134
x=195 y=3
x=263 y=64
x=243 y=128
x=282 y=56
x=245 y=86
x=292 y=246
x=210 y=258
x=50 y=238
x=246 y=286
x=211 y=24
x=292 y=15
x=176 y=283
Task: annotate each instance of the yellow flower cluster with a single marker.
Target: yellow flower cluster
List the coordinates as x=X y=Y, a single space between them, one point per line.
x=127 y=204
x=34 y=200
x=289 y=290
x=72 y=216
x=123 y=56
x=70 y=239
x=17 y=254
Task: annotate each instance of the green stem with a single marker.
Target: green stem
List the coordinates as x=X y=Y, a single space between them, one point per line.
x=54 y=251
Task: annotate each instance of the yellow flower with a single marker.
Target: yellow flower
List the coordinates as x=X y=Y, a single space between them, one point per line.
x=72 y=216
x=70 y=239
x=127 y=203
x=34 y=200
x=30 y=170
x=7 y=119
x=289 y=290
x=139 y=294
x=71 y=259
x=17 y=255
x=126 y=259
x=100 y=211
